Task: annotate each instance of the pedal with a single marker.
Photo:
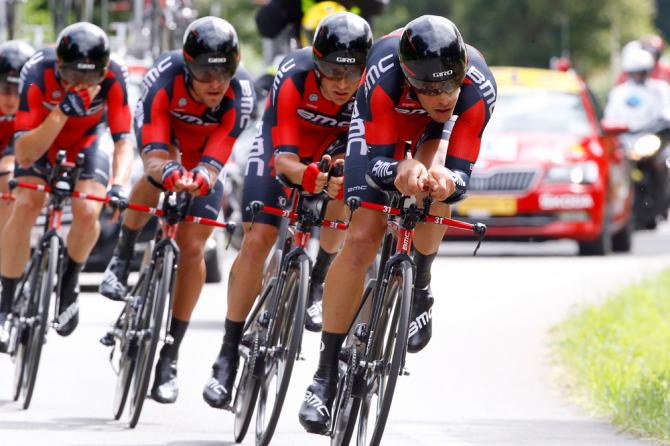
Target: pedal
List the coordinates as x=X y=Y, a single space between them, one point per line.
x=107 y=340
x=404 y=371
x=300 y=357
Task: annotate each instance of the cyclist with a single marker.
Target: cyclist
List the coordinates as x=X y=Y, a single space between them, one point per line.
x=69 y=96
x=306 y=117
x=419 y=81
x=195 y=103
x=13 y=55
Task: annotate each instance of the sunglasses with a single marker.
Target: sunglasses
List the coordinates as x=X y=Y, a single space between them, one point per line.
x=210 y=73
x=337 y=72
x=450 y=87
x=81 y=73
x=8 y=86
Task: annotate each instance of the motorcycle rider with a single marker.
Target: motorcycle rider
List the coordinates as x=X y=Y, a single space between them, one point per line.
x=640 y=101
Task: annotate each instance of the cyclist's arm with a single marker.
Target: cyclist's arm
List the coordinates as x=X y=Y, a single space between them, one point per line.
x=155 y=133
x=36 y=127
x=119 y=119
x=289 y=165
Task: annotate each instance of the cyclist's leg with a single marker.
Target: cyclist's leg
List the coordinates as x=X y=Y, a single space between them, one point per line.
x=15 y=239
x=330 y=243
x=82 y=236
x=244 y=281
x=342 y=293
x=144 y=193
x=6 y=172
x=426 y=243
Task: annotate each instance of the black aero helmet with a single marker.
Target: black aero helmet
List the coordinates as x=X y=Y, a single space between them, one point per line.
x=13 y=55
x=341 y=44
x=82 y=50
x=433 y=55
x=211 y=49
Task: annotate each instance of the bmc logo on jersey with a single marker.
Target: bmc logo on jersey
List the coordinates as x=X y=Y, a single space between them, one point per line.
x=443 y=73
x=323 y=120
x=346 y=59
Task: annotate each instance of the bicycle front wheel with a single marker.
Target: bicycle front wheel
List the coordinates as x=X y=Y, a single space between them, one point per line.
x=388 y=340
x=42 y=285
x=282 y=347
x=148 y=326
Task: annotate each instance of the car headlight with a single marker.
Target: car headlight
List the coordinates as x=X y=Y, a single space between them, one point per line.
x=579 y=173
x=644 y=147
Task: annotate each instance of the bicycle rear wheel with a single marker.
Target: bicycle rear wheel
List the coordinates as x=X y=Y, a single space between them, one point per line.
x=284 y=338
x=37 y=319
x=127 y=341
x=248 y=386
x=388 y=346
x=149 y=321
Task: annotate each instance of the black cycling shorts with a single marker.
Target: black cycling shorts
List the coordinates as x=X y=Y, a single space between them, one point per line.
x=96 y=166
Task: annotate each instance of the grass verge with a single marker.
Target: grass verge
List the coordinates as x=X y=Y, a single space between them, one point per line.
x=617 y=355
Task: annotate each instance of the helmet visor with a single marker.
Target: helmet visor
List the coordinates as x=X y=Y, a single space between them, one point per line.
x=78 y=73
x=449 y=87
x=350 y=73
x=210 y=72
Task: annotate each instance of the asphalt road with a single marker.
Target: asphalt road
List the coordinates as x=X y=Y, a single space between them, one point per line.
x=486 y=378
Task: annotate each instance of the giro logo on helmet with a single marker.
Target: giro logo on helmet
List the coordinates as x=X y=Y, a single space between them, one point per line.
x=346 y=59
x=217 y=60
x=443 y=73
x=86 y=66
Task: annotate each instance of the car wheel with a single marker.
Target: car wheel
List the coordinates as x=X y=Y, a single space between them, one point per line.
x=622 y=241
x=214 y=259
x=601 y=246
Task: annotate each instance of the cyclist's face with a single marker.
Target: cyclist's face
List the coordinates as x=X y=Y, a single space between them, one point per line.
x=338 y=91
x=440 y=107
x=210 y=93
x=9 y=103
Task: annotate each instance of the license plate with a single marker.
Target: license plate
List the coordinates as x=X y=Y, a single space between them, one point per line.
x=475 y=206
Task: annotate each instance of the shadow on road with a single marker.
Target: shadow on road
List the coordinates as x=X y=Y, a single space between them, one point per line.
x=67 y=424
x=176 y=443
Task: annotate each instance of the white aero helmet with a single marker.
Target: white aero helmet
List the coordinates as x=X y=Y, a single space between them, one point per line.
x=636 y=59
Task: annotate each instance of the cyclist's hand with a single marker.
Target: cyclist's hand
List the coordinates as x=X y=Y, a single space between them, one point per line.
x=313 y=180
x=175 y=177
x=117 y=201
x=77 y=100
x=202 y=182
x=441 y=182
x=412 y=177
x=336 y=182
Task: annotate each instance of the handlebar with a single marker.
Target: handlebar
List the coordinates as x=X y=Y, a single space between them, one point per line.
x=230 y=226
x=257 y=206
x=478 y=229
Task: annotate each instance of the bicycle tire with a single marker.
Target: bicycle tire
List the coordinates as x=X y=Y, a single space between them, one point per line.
x=248 y=386
x=150 y=318
x=397 y=294
x=39 y=308
x=246 y=396
x=22 y=335
x=286 y=330
x=127 y=343
x=347 y=405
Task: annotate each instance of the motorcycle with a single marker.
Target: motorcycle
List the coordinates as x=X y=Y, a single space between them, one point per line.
x=649 y=153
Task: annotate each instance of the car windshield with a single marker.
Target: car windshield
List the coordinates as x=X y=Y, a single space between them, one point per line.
x=540 y=111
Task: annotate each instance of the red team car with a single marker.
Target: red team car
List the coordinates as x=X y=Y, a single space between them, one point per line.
x=548 y=169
